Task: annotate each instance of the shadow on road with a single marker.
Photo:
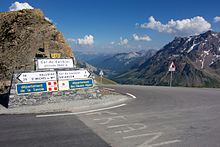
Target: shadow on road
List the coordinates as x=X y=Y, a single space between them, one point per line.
x=4 y=99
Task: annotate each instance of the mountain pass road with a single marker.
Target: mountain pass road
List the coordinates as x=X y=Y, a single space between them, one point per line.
x=161 y=116
x=153 y=117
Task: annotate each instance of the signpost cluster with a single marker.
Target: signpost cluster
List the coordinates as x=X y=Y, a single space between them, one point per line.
x=53 y=75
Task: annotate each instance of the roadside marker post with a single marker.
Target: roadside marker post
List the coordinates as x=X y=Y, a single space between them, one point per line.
x=172 y=68
x=101 y=74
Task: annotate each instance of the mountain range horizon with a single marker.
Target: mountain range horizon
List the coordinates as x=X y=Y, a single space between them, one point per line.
x=197 y=58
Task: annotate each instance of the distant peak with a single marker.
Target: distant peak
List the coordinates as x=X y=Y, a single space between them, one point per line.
x=210 y=33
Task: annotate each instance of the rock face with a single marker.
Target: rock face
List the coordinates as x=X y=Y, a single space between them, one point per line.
x=197 y=60
x=25 y=35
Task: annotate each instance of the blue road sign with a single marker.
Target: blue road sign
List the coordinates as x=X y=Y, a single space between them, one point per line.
x=31 y=88
x=86 y=83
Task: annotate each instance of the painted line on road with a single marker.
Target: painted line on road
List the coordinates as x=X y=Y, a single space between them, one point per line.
x=164 y=143
x=131 y=95
x=82 y=112
x=111 y=89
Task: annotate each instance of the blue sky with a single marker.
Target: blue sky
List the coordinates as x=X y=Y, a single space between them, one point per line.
x=126 y=25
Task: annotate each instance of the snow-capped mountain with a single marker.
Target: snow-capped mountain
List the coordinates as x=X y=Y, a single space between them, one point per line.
x=132 y=57
x=204 y=49
x=197 y=60
x=118 y=63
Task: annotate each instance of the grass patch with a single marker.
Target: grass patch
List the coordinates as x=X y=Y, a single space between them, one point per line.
x=104 y=80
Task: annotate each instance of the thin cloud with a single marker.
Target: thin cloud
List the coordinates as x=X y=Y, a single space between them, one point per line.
x=112 y=43
x=141 y=38
x=19 y=6
x=184 y=27
x=71 y=40
x=123 y=41
x=16 y=6
x=217 y=19
x=87 y=40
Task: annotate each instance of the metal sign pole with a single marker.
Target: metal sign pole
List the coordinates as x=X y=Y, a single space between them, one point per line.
x=101 y=74
x=171 y=78
x=101 y=79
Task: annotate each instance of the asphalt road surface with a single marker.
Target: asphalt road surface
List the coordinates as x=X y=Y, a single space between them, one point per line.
x=161 y=116
x=29 y=131
x=154 y=117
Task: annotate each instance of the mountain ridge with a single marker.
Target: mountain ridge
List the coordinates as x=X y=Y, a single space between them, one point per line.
x=196 y=58
x=115 y=64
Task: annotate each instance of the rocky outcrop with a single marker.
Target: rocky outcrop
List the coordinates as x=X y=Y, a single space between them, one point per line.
x=24 y=36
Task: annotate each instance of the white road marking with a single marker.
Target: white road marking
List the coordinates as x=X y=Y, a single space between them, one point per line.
x=128 y=127
x=111 y=89
x=109 y=119
x=131 y=95
x=164 y=143
x=101 y=113
x=83 y=112
x=155 y=136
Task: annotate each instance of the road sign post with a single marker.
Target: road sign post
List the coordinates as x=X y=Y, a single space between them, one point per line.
x=101 y=74
x=172 y=68
x=171 y=78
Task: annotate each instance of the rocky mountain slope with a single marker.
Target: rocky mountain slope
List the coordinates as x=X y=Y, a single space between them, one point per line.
x=197 y=60
x=118 y=63
x=25 y=35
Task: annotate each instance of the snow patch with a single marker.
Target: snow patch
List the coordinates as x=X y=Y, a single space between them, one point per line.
x=217 y=56
x=202 y=66
x=189 y=39
x=211 y=63
x=206 y=52
x=131 y=55
x=176 y=55
x=215 y=35
x=192 y=47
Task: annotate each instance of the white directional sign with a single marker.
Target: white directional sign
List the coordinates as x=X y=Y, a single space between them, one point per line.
x=73 y=74
x=54 y=63
x=37 y=77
